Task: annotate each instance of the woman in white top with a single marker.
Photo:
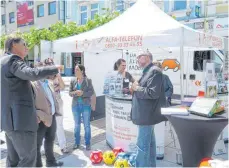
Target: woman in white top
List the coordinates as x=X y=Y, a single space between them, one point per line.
x=59 y=85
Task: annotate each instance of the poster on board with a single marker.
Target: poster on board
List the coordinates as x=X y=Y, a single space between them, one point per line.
x=132 y=64
x=25 y=15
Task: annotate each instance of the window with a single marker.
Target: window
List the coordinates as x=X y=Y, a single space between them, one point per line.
x=11 y=17
x=120 y=6
x=52 y=8
x=180 y=4
x=218 y=62
x=61 y=10
x=83 y=15
x=132 y=3
x=3 y=19
x=199 y=57
x=40 y=10
x=94 y=10
x=30 y=3
x=69 y=8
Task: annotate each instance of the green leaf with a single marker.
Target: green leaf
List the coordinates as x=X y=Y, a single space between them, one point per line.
x=60 y=30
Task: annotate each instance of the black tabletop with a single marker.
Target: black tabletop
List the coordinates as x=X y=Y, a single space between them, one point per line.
x=216 y=117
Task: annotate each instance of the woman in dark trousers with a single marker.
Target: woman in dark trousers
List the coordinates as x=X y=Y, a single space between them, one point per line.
x=81 y=89
x=120 y=66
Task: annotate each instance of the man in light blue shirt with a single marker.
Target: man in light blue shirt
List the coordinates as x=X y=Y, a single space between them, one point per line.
x=48 y=133
x=48 y=93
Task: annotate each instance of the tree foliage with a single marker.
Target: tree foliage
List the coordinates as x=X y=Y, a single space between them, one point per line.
x=60 y=30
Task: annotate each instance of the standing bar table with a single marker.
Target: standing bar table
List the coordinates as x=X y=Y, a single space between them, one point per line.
x=197 y=135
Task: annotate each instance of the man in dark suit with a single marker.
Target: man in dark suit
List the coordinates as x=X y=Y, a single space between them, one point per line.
x=148 y=98
x=18 y=113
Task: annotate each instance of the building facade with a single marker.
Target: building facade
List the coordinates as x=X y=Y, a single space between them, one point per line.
x=209 y=16
x=23 y=15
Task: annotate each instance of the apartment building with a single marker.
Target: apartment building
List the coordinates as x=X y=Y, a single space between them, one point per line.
x=23 y=15
x=210 y=16
x=80 y=11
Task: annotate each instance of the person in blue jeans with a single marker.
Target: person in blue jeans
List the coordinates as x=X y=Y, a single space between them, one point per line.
x=81 y=89
x=148 y=98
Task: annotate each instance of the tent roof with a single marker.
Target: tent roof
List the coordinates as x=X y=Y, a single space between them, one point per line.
x=145 y=19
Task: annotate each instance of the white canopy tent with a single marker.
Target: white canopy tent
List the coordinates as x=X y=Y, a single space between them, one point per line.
x=143 y=22
x=143 y=26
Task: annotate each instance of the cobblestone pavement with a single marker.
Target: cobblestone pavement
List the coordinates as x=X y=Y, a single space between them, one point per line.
x=97 y=131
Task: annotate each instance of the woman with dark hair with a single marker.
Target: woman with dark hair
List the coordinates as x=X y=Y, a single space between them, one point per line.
x=81 y=89
x=120 y=66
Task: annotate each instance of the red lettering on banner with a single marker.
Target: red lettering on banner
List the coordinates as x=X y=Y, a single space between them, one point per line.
x=107 y=40
x=210 y=40
x=123 y=38
x=123 y=41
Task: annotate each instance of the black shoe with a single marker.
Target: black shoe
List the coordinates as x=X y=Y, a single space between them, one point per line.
x=64 y=150
x=88 y=147
x=55 y=164
x=39 y=165
x=2 y=142
x=76 y=146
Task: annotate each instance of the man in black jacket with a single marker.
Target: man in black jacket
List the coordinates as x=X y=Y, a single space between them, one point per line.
x=148 y=98
x=18 y=114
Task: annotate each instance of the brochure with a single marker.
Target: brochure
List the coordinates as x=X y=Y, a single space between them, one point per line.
x=206 y=106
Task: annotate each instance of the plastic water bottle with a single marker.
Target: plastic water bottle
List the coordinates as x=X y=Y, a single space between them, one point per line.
x=106 y=84
x=113 y=78
x=119 y=84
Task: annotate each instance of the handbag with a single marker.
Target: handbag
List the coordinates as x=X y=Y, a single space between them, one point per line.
x=93 y=98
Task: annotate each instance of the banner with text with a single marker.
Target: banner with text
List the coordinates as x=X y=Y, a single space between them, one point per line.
x=121 y=132
x=132 y=64
x=25 y=14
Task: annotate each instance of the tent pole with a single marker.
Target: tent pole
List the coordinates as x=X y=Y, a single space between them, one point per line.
x=182 y=64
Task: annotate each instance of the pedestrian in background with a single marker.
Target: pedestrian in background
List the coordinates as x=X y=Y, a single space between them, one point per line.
x=18 y=114
x=148 y=98
x=81 y=89
x=168 y=86
x=58 y=84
